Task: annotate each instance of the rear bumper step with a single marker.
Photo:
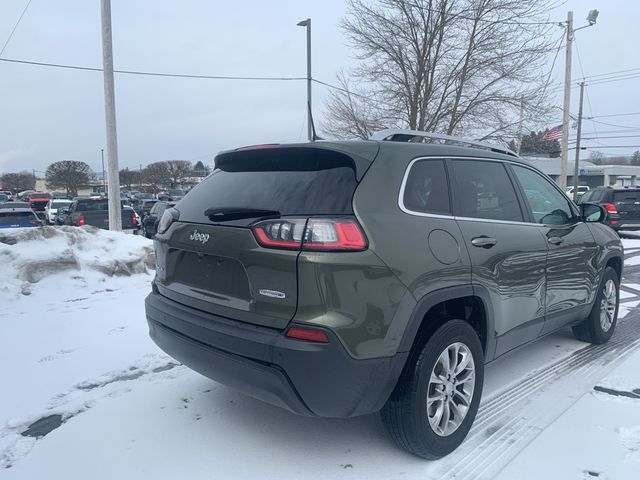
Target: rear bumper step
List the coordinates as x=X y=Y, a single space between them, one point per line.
x=306 y=378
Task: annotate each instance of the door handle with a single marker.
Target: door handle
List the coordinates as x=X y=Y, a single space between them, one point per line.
x=483 y=242
x=554 y=240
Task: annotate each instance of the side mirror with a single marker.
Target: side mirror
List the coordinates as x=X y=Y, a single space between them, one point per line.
x=590 y=212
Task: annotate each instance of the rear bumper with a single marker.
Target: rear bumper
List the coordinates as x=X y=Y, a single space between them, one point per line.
x=306 y=378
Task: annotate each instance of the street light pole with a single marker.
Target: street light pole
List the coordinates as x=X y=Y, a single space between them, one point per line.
x=115 y=208
x=576 y=167
x=307 y=23
x=591 y=19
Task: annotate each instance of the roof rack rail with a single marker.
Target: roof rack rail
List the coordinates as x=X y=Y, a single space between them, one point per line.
x=401 y=135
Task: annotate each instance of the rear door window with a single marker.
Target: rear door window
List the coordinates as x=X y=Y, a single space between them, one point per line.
x=426 y=189
x=482 y=189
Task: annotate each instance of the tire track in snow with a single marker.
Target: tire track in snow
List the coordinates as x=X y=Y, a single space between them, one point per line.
x=509 y=420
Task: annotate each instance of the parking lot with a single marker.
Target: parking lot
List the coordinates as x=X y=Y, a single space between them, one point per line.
x=91 y=393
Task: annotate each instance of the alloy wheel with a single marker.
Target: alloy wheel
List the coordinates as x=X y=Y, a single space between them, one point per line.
x=450 y=389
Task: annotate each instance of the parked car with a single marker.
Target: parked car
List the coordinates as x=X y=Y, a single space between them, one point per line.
x=622 y=206
x=582 y=189
x=59 y=196
x=337 y=279
x=8 y=194
x=150 y=221
x=138 y=198
x=172 y=195
x=95 y=211
x=145 y=206
x=52 y=207
x=61 y=215
x=39 y=200
x=24 y=196
x=18 y=217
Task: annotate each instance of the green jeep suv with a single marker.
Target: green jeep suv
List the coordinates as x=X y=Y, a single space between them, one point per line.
x=337 y=279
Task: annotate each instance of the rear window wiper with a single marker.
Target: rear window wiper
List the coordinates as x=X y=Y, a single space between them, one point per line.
x=236 y=213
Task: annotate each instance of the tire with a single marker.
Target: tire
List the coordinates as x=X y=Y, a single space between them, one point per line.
x=406 y=415
x=601 y=322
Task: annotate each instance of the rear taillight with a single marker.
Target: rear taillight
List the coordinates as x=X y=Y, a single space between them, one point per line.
x=285 y=234
x=610 y=207
x=168 y=217
x=308 y=334
x=133 y=219
x=334 y=234
x=81 y=220
x=315 y=234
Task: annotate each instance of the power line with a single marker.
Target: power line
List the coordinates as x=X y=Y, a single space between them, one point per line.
x=617 y=115
x=15 y=27
x=612 y=124
x=335 y=87
x=152 y=74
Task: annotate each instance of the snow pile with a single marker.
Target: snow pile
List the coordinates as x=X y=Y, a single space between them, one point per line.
x=30 y=255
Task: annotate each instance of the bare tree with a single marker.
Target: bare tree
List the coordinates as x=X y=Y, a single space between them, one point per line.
x=449 y=66
x=17 y=182
x=68 y=174
x=156 y=176
x=596 y=157
x=129 y=177
x=178 y=171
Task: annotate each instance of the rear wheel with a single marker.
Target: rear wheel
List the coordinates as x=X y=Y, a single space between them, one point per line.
x=601 y=322
x=436 y=399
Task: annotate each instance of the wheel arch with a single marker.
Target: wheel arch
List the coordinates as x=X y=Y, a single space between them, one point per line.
x=463 y=296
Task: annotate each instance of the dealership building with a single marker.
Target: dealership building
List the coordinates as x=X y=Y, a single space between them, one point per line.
x=590 y=174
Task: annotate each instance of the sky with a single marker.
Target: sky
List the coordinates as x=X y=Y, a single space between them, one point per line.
x=50 y=114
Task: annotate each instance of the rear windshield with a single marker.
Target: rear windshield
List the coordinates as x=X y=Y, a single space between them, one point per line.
x=15 y=217
x=626 y=196
x=59 y=204
x=91 y=205
x=40 y=195
x=314 y=182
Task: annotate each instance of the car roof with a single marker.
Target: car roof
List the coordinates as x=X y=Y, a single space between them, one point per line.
x=16 y=209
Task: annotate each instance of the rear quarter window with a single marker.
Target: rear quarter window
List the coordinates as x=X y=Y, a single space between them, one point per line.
x=426 y=188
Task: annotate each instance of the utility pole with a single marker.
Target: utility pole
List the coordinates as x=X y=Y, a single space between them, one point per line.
x=576 y=165
x=567 y=103
x=115 y=208
x=307 y=23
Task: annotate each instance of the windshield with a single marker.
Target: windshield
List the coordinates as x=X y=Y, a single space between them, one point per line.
x=16 y=217
x=59 y=204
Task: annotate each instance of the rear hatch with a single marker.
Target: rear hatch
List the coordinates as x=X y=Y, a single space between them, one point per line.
x=210 y=258
x=95 y=212
x=627 y=203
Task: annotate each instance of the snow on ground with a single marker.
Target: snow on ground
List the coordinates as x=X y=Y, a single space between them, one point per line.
x=75 y=351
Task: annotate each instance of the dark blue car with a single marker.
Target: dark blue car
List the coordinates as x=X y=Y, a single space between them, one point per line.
x=18 y=217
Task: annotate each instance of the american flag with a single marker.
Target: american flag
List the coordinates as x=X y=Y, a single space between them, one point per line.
x=554 y=134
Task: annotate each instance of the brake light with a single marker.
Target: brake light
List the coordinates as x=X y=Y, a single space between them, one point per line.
x=334 y=234
x=81 y=220
x=316 y=234
x=610 y=207
x=133 y=219
x=308 y=334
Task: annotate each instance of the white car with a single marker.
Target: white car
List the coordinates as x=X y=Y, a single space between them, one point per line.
x=52 y=208
x=582 y=189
